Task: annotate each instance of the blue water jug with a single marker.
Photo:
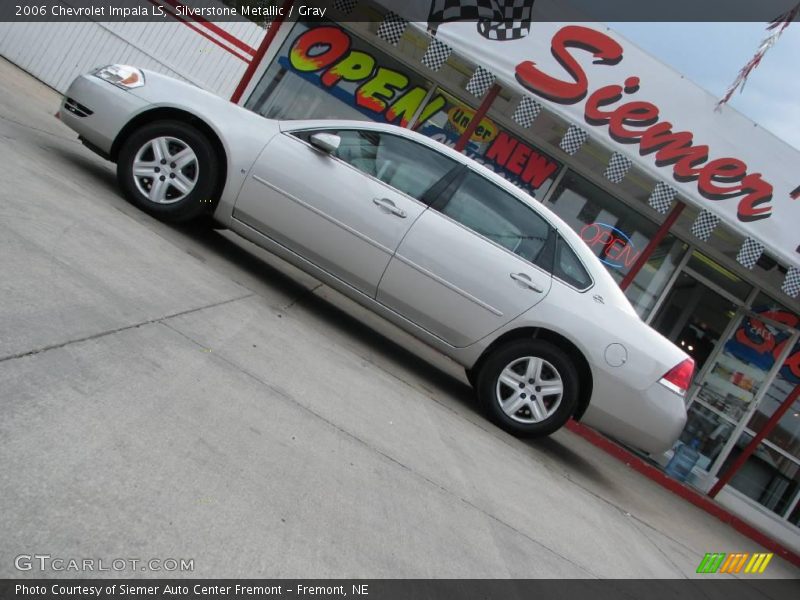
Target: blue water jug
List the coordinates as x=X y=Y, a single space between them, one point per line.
x=684 y=458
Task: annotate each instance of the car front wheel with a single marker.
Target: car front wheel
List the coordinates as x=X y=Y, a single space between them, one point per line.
x=169 y=169
x=529 y=387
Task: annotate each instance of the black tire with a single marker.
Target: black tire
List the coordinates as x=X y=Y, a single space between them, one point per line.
x=472 y=377
x=523 y=424
x=202 y=172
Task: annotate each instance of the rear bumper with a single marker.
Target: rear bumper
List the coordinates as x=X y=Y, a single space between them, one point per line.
x=650 y=420
x=98 y=110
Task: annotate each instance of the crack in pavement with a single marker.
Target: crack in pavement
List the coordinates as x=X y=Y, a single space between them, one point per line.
x=288 y=397
x=638 y=524
x=118 y=330
x=633 y=517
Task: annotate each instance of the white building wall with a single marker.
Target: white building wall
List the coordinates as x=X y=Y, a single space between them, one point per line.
x=759 y=517
x=57 y=52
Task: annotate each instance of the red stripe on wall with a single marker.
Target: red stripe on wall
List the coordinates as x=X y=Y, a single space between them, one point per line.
x=212 y=39
x=197 y=22
x=286 y=8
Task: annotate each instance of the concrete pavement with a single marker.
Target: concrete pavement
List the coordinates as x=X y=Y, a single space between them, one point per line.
x=173 y=393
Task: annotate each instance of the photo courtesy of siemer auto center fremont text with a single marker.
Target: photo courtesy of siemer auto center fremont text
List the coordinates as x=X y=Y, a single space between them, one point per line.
x=436 y=299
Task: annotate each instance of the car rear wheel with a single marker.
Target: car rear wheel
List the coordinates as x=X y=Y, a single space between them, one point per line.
x=169 y=169
x=529 y=387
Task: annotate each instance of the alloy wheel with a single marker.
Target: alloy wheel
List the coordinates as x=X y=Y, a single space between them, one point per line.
x=529 y=390
x=165 y=170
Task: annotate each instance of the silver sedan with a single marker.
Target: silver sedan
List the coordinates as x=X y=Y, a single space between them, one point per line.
x=411 y=229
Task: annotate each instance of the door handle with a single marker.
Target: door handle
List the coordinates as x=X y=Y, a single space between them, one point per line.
x=525 y=281
x=389 y=206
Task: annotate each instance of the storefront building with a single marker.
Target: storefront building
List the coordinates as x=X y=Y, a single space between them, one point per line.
x=691 y=250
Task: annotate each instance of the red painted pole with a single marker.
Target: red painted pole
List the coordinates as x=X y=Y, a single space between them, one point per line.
x=486 y=103
x=751 y=447
x=261 y=52
x=651 y=247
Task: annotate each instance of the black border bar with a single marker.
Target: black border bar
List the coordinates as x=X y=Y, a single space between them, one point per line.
x=413 y=10
x=706 y=588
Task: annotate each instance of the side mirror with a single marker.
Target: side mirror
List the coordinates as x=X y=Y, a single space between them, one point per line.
x=327 y=142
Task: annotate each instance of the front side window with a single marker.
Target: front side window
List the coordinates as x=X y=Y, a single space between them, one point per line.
x=486 y=209
x=401 y=163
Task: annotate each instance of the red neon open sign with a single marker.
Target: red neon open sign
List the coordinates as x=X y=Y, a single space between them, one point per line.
x=611 y=245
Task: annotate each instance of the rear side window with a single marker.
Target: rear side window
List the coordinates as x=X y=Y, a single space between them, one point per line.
x=401 y=163
x=486 y=209
x=568 y=267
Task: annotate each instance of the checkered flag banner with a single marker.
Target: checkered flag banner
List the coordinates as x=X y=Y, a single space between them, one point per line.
x=749 y=253
x=436 y=55
x=391 y=28
x=791 y=284
x=526 y=112
x=704 y=225
x=618 y=167
x=499 y=20
x=573 y=140
x=344 y=7
x=480 y=82
x=662 y=197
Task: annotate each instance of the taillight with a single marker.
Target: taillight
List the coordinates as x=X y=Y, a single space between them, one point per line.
x=679 y=377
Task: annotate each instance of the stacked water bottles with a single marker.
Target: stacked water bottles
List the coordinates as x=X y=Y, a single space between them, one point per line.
x=683 y=460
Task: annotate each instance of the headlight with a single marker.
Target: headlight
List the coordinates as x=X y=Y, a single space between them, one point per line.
x=121 y=75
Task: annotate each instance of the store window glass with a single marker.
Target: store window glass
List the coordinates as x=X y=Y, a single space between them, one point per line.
x=694 y=317
x=732 y=382
x=647 y=287
x=794 y=517
x=786 y=433
x=617 y=235
x=768 y=477
x=493 y=146
x=718 y=276
x=325 y=72
x=765 y=347
x=708 y=431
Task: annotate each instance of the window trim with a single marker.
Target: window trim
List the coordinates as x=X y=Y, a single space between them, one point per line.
x=450 y=174
x=441 y=201
x=453 y=178
x=580 y=260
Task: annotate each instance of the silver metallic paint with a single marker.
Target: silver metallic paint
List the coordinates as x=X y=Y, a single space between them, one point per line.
x=459 y=303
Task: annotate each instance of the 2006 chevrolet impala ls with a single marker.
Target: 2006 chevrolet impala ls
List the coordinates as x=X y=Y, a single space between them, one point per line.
x=417 y=232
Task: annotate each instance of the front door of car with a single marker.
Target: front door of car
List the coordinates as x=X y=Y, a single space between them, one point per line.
x=478 y=258
x=343 y=200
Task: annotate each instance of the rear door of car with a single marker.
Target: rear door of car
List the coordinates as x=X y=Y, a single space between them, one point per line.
x=346 y=210
x=478 y=258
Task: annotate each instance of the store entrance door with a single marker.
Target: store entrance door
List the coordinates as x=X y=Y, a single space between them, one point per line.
x=694 y=316
x=699 y=316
